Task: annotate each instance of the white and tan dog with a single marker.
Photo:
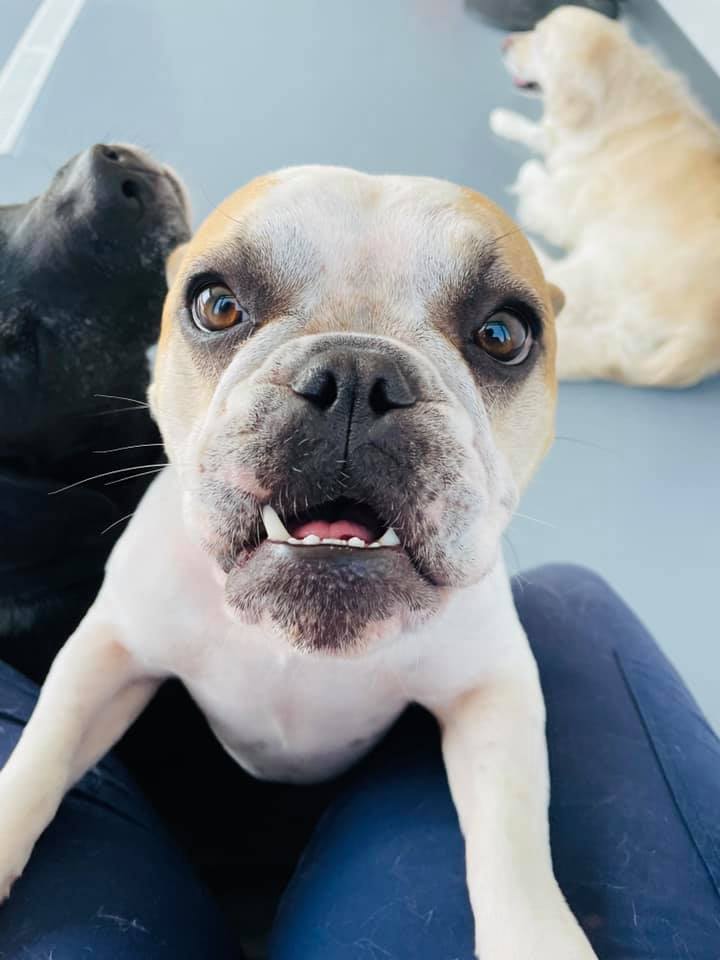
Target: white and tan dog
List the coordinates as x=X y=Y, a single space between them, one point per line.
x=630 y=187
x=355 y=377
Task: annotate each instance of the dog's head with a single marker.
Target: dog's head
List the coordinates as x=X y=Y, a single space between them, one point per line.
x=354 y=379
x=81 y=289
x=584 y=66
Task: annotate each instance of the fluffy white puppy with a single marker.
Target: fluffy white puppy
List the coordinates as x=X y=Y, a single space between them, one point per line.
x=629 y=185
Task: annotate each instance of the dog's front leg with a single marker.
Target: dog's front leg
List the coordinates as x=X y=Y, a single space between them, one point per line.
x=92 y=694
x=514 y=126
x=545 y=203
x=496 y=759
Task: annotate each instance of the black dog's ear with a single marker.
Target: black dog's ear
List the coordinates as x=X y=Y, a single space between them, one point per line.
x=557 y=298
x=172 y=264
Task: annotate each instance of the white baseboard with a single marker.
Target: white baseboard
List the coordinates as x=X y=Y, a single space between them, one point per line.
x=699 y=20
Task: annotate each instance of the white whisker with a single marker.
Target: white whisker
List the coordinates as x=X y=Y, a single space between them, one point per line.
x=545 y=523
x=104 y=413
x=114 y=396
x=107 y=473
x=145 y=473
x=132 y=446
x=116 y=522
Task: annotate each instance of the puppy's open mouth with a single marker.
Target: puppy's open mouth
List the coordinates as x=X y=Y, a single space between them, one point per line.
x=527 y=86
x=335 y=523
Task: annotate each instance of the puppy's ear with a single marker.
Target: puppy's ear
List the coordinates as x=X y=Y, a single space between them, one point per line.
x=557 y=298
x=573 y=108
x=581 y=84
x=173 y=262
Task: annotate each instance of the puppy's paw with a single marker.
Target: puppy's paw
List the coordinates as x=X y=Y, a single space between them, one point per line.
x=531 y=177
x=6 y=886
x=13 y=860
x=21 y=823
x=504 y=123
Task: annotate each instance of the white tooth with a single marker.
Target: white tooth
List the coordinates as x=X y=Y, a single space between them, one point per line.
x=334 y=543
x=311 y=539
x=274 y=527
x=355 y=542
x=294 y=541
x=374 y=544
x=389 y=539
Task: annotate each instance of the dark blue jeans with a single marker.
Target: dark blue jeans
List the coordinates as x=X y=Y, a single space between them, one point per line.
x=634 y=815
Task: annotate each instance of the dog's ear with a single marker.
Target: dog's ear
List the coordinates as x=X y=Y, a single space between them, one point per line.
x=173 y=263
x=580 y=88
x=573 y=108
x=557 y=298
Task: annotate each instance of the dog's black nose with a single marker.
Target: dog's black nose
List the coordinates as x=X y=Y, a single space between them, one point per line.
x=363 y=381
x=122 y=175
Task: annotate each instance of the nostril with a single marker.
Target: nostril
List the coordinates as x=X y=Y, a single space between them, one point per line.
x=319 y=386
x=130 y=190
x=386 y=395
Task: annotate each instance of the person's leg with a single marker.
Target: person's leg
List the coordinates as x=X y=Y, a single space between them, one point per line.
x=104 y=881
x=636 y=789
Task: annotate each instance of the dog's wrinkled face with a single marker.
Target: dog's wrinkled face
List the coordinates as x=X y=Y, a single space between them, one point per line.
x=81 y=289
x=570 y=60
x=355 y=376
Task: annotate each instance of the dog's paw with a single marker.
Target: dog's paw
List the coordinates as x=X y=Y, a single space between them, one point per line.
x=531 y=177
x=20 y=826
x=13 y=860
x=503 y=123
x=6 y=886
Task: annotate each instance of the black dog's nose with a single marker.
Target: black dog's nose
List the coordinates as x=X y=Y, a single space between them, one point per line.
x=122 y=174
x=339 y=378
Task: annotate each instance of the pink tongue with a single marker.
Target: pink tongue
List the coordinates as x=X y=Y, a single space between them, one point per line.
x=339 y=530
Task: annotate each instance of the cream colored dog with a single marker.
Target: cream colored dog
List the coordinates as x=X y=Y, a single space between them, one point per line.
x=355 y=377
x=630 y=186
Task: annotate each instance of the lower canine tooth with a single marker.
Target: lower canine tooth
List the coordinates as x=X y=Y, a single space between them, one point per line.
x=274 y=527
x=356 y=542
x=389 y=539
x=311 y=539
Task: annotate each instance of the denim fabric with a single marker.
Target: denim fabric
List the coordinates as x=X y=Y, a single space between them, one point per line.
x=105 y=881
x=635 y=810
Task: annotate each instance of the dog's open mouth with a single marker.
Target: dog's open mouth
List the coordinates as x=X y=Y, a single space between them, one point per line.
x=527 y=86
x=335 y=523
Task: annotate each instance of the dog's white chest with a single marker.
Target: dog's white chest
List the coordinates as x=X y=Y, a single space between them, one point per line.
x=292 y=718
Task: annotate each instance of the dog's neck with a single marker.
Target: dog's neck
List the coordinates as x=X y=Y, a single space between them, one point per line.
x=655 y=127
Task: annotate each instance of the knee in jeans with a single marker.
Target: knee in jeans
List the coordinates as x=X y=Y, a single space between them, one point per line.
x=565 y=582
x=575 y=608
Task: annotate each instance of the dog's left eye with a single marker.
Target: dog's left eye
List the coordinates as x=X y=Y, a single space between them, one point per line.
x=216 y=308
x=505 y=336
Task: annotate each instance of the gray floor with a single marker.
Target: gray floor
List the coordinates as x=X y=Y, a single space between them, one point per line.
x=226 y=90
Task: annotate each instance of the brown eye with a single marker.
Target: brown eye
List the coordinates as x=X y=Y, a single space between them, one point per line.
x=216 y=308
x=506 y=337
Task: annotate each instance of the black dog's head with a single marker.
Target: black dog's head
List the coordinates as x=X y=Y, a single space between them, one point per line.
x=81 y=290
x=82 y=282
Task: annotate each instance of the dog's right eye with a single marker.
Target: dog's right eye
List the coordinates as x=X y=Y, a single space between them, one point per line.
x=505 y=336
x=216 y=308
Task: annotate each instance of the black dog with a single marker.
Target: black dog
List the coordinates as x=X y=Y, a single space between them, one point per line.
x=81 y=291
